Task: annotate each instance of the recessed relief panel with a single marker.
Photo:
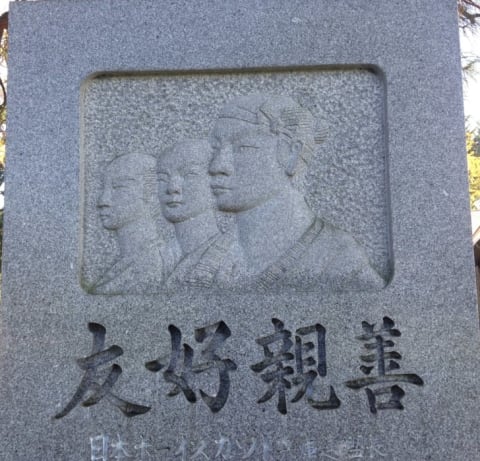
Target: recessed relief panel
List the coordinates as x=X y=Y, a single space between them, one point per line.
x=249 y=181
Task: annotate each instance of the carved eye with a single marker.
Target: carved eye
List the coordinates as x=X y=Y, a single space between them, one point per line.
x=190 y=174
x=119 y=186
x=246 y=148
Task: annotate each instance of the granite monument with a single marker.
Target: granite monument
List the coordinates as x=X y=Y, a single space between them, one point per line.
x=237 y=231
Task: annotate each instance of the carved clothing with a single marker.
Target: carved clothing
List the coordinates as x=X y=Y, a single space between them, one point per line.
x=200 y=267
x=145 y=272
x=323 y=257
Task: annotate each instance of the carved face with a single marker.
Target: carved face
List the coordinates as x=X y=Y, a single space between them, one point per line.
x=184 y=184
x=244 y=168
x=122 y=198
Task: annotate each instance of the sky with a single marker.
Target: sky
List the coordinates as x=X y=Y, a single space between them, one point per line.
x=470 y=45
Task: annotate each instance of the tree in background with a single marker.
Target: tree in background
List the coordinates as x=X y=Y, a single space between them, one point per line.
x=468 y=13
x=473 y=160
x=469 y=20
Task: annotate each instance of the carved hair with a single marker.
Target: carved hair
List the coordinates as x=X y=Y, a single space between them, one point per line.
x=148 y=167
x=201 y=146
x=282 y=117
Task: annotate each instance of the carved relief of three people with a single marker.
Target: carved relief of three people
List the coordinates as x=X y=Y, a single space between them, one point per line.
x=246 y=169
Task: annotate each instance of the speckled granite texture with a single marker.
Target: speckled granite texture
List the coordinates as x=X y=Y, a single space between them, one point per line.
x=385 y=374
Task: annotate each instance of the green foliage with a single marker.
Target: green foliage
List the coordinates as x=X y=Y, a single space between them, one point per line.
x=473 y=160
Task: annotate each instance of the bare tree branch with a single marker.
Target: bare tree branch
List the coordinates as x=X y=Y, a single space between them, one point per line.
x=468 y=14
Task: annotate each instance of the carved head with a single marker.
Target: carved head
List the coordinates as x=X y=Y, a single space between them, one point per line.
x=259 y=143
x=129 y=190
x=184 y=183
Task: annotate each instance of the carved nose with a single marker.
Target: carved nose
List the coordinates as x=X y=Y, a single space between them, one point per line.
x=105 y=199
x=221 y=163
x=174 y=185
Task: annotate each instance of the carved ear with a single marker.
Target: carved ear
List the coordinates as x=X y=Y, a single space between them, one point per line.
x=296 y=148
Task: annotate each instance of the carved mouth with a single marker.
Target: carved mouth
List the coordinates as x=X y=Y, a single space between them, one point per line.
x=174 y=204
x=217 y=189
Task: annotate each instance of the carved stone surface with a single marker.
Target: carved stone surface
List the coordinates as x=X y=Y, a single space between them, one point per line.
x=237 y=231
x=295 y=196
x=127 y=207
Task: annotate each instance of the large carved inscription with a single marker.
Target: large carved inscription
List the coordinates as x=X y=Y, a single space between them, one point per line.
x=240 y=182
x=289 y=368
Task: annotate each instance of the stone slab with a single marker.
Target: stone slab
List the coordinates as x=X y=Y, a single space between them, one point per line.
x=368 y=95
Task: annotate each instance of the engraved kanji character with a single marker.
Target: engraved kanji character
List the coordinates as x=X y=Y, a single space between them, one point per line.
x=200 y=451
x=182 y=450
x=349 y=449
x=307 y=366
x=89 y=384
x=224 y=448
x=181 y=380
x=216 y=334
x=277 y=377
x=99 y=448
x=329 y=456
x=385 y=362
x=248 y=453
x=119 y=449
x=267 y=451
x=305 y=378
x=374 y=451
x=345 y=450
x=143 y=448
x=283 y=445
x=212 y=336
x=310 y=449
